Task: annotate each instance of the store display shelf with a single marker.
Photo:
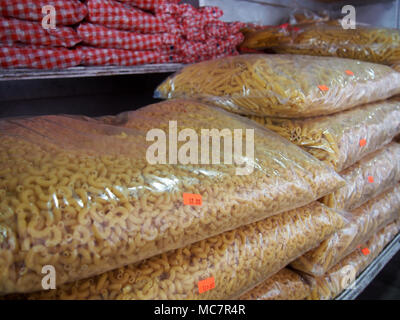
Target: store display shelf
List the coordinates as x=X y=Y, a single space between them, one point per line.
x=80 y=72
x=369 y=274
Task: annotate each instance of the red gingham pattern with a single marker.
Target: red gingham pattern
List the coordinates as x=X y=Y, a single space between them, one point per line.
x=116 y=15
x=67 y=11
x=118 y=57
x=211 y=13
x=150 y=5
x=104 y=37
x=43 y=58
x=220 y=29
x=32 y=32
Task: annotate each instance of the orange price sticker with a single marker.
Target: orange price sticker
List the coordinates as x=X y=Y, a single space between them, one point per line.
x=206 y=284
x=192 y=199
x=365 y=251
x=349 y=72
x=363 y=142
x=370 y=179
x=323 y=87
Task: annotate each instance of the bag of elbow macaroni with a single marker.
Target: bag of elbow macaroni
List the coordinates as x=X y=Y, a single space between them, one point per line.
x=87 y=197
x=345 y=272
x=366 y=43
x=363 y=222
x=285 y=285
x=285 y=86
x=372 y=175
x=343 y=138
x=221 y=267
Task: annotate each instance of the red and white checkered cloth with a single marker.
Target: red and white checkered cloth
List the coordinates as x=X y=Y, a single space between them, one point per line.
x=67 y=11
x=104 y=37
x=33 y=33
x=220 y=29
x=107 y=57
x=150 y=5
x=117 y=15
x=38 y=58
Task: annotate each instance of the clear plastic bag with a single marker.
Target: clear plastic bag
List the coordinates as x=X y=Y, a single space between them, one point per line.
x=363 y=223
x=285 y=285
x=231 y=263
x=341 y=275
x=285 y=86
x=344 y=138
x=367 y=178
x=82 y=196
x=366 y=43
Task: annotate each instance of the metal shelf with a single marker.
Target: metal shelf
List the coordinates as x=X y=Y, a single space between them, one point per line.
x=369 y=274
x=80 y=72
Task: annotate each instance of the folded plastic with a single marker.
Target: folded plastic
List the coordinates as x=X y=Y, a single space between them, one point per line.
x=84 y=197
x=234 y=261
x=342 y=275
x=343 y=138
x=285 y=86
x=363 y=223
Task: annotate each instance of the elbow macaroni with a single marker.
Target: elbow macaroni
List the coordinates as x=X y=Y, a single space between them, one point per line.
x=364 y=221
x=285 y=285
x=238 y=260
x=285 y=86
x=383 y=166
x=332 y=283
x=335 y=139
x=82 y=193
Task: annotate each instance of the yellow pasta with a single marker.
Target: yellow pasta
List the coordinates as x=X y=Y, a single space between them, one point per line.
x=367 y=178
x=285 y=86
x=335 y=280
x=237 y=261
x=363 y=222
x=344 y=138
x=107 y=206
x=366 y=43
x=285 y=285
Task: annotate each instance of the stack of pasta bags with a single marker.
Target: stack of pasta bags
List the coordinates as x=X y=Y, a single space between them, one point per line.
x=24 y=42
x=116 y=220
x=132 y=32
x=328 y=106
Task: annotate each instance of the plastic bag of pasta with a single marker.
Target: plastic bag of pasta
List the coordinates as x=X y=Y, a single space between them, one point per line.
x=342 y=275
x=363 y=223
x=286 y=86
x=367 y=178
x=221 y=267
x=343 y=138
x=86 y=197
x=285 y=285
x=366 y=43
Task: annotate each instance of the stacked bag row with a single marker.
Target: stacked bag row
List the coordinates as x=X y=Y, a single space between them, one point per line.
x=108 y=32
x=333 y=109
x=86 y=200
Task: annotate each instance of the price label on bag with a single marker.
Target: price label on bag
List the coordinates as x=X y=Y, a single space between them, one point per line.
x=349 y=72
x=206 y=284
x=370 y=179
x=365 y=251
x=323 y=87
x=192 y=199
x=363 y=142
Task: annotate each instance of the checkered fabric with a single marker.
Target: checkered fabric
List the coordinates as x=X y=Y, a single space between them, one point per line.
x=38 y=58
x=117 y=15
x=150 y=5
x=68 y=12
x=107 y=57
x=104 y=37
x=33 y=33
x=221 y=30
